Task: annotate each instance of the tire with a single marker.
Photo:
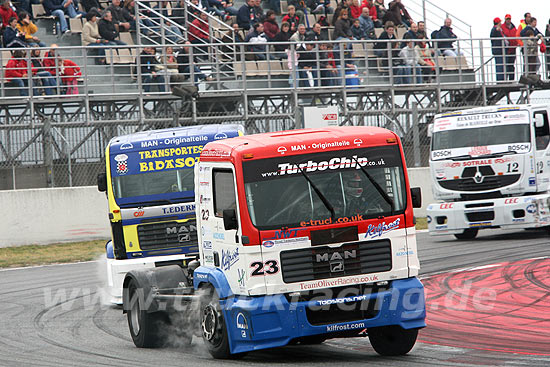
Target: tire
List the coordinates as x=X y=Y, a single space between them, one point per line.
x=148 y=330
x=213 y=327
x=392 y=340
x=467 y=234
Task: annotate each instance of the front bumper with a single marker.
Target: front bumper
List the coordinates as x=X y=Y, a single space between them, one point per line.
x=255 y=323
x=513 y=212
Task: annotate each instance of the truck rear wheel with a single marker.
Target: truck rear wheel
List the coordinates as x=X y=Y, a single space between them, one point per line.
x=467 y=234
x=213 y=328
x=392 y=340
x=148 y=330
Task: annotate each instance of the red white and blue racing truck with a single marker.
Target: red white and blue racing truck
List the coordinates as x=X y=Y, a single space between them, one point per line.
x=491 y=168
x=304 y=235
x=150 y=183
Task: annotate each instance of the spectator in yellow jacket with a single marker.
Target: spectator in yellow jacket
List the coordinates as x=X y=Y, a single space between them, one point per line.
x=28 y=28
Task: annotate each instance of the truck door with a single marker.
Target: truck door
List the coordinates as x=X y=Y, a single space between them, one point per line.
x=226 y=241
x=542 y=139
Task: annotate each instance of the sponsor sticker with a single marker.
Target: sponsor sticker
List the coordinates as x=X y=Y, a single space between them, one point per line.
x=122 y=164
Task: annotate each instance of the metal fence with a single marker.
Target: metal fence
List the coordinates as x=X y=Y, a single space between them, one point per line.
x=52 y=135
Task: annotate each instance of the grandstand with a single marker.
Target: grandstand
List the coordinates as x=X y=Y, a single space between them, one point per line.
x=58 y=140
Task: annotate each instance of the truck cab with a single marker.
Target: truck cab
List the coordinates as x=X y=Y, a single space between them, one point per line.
x=150 y=187
x=304 y=235
x=491 y=168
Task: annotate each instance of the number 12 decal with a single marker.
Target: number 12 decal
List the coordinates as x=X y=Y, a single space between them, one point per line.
x=270 y=267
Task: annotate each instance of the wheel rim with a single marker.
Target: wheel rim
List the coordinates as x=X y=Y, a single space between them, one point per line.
x=135 y=314
x=209 y=322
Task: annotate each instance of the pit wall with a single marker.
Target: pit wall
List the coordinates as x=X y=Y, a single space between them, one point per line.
x=42 y=216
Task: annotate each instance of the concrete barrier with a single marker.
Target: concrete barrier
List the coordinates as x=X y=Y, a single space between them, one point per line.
x=42 y=216
x=420 y=177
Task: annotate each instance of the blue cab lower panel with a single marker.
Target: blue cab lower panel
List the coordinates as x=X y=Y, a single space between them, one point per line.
x=255 y=323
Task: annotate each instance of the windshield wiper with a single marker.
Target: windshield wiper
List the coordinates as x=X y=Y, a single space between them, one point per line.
x=461 y=157
x=378 y=188
x=485 y=156
x=325 y=201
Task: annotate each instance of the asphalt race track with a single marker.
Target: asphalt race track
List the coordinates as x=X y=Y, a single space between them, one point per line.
x=495 y=311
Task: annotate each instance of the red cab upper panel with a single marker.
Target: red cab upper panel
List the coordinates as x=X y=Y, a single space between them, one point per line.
x=294 y=142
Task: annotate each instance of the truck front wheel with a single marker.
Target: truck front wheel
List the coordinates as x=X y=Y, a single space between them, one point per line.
x=213 y=328
x=392 y=340
x=467 y=234
x=148 y=330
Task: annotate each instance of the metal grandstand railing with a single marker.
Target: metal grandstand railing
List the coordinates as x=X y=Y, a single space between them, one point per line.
x=353 y=65
x=167 y=30
x=434 y=16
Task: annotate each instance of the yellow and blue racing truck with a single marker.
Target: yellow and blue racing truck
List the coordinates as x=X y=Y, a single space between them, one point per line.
x=150 y=186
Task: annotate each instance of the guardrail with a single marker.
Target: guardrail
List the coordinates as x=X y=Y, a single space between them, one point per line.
x=326 y=66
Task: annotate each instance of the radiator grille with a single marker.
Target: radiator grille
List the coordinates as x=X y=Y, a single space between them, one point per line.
x=488 y=183
x=168 y=235
x=326 y=262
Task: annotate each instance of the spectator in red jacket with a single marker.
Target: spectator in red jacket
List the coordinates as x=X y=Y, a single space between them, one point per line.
x=51 y=59
x=292 y=19
x=69 y=72
x=16 y=72
x=509 y=30
x=271 y=28
x=355 y=9
x=6 y=12
x=372 y=12
x=199 y=30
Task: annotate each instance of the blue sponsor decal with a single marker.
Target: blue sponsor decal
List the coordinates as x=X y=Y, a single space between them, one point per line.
x=207 y=245
x=229 y=257
x=532 y=181
x=219 y=236
x=382 y=228
x=285 y=233
x=189 y=208
x=269 y=244
x=531 y=208
x=201 y=276
x=404 y=253
x=335 y=301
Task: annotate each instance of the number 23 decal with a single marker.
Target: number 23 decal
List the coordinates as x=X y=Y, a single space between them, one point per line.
x=269 y=267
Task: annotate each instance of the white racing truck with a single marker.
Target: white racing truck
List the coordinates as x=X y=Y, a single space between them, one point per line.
x=490 y=168
x=304 y=235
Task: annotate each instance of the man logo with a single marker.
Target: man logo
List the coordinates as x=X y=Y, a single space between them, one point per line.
x=184 y=232
x=337 y=266
x=335 y=256
x=281 y=150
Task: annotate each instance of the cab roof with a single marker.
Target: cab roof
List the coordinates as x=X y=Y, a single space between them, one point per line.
x=188 y=134
x=301 y=141
x=492 y=109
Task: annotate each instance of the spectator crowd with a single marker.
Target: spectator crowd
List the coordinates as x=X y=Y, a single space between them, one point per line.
x=316 y=58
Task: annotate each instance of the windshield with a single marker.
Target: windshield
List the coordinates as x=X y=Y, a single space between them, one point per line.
x=482 y=136
x=154 y=183
x=278 y=195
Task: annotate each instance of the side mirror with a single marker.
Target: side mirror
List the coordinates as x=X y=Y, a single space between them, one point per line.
x=430 y=130
x=416 y=196
x=102 y=182
x=539 y=121
x=230 y=219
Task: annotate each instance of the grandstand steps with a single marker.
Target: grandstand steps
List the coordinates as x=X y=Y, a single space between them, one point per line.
x=94 y=73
